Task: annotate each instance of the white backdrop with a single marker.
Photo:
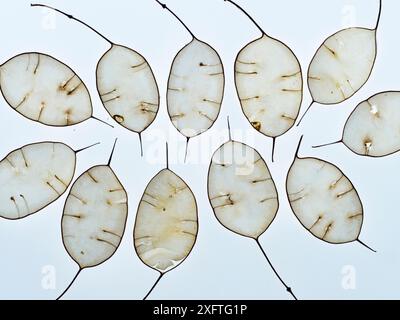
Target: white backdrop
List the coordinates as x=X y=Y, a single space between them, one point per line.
x=222 y=264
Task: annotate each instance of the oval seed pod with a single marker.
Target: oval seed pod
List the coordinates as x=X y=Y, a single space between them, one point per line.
x=237 y=171
x=269 y=84
x=195 y=87
x=45 y=90
x=372 y=130
x=94 y=217
x=166 y=223
x=34 y=176
x=125 y=83
x=127 y=88
x=324 y=200
x=242 y=192
x=342 y=65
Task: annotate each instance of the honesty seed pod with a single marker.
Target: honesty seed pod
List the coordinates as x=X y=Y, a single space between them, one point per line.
x=45 y=90
x=269 y=84
x=324 y=200
x=166 y=223
x=242 y=193
x=34 y=176
x=195 y=87
x=94 y=217
x=372 y=130
x=342 y=65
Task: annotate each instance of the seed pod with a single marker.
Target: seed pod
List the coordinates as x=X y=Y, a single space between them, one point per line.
x=242 y=193
x=269 y=84
x=195 y=87
x=324 y=200
x=43 y=89
x=166 y=223
x=35 y=176
x=342 y=64
x=94 y=217
x=372 y=128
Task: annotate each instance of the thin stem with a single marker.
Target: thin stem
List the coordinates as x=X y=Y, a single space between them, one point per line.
x=141 y=144
x=288 y=289
x=186 y=148
x=363 y=244
x=248 y=15
x=112 y=152
x=229 y=129
x=69 y=286
x=273 y=148
x=327 y=144
x=97 y=119
x=308 y=109
x=154 y=285
x=379 y=15
x=299 y=146
x=72 y=18
x=166 y=155
x=164 y=6
x=88 y=147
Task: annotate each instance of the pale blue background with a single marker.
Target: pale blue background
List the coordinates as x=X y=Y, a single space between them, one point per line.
x=222 y=264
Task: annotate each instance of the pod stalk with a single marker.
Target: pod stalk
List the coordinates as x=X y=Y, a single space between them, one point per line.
x=379 y=15
x=248 y=15
x=164 y=6
x=166 y=155
x=186 y=148
x=327 y=144
x=71 y=283
x=288 y=289
x=154 y=285
x=299 y=146
x=141 y=144
x=366 y=246
x=70 y=16
x=305 y=113
x=86 y=148
x=273 y=149
x=112 y=153
x=229 y=129
x=102 y=121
